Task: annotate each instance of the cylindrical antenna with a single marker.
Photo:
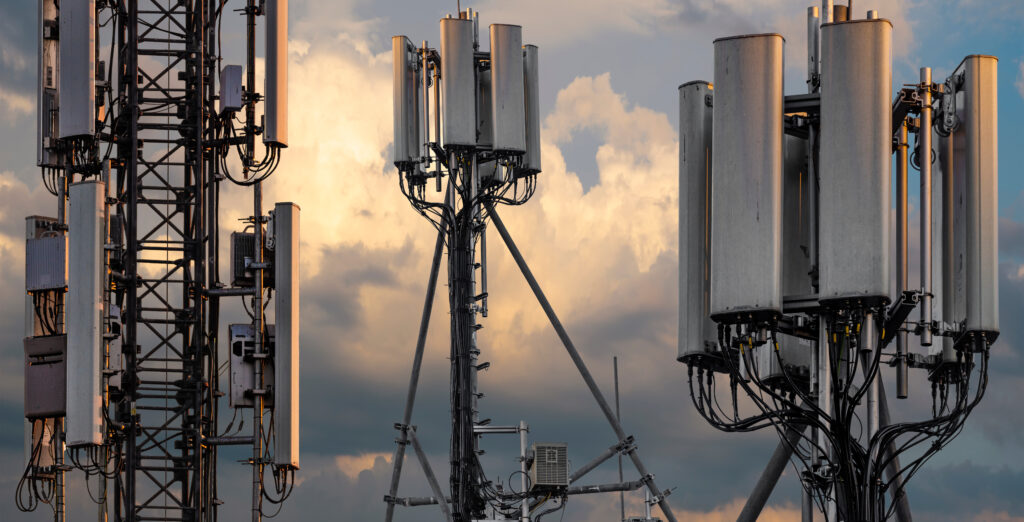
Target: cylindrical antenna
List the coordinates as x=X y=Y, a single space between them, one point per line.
x=826 y=11
x=902 y=258
x=924 y=160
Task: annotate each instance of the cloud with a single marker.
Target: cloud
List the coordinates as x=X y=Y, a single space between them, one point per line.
x=16 y=104
x=1020 y=79
x=564 y=22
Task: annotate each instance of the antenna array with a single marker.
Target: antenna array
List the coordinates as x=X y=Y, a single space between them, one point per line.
x=467 y=122
x=790 y=289
x=122 y=349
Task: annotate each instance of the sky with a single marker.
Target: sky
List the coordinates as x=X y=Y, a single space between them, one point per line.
x=600 y=235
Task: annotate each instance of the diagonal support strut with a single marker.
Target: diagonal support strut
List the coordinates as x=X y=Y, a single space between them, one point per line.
x=580 y=365
x=414 y=378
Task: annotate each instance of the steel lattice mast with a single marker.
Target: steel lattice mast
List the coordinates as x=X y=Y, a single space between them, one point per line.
x=168 y=403
x=141 y=156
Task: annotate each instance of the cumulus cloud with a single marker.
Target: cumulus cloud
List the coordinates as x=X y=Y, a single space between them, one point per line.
x=557 y=23
x=16 y=104
x=1020 y=79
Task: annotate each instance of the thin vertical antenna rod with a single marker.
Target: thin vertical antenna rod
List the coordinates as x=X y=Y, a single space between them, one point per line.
x=622 y=494
x=902 y=265
x=647 y=478
x=924 y=160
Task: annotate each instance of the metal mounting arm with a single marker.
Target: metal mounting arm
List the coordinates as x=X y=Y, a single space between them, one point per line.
x=578 y=361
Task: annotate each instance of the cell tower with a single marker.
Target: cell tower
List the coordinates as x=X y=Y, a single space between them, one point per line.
x=791 y=292
x=123 y=358
x=467 y=122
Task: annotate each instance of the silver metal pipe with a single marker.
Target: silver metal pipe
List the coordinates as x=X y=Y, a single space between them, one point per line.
x=224 y=441
x=58 y=476
x=770 y=476
x=437 y=103
x=231 y=292
x=417 y=363
x=429 y=472
x=605 y=488
x=902 y=256
x=948 y=252
x=924 y=159
x=425 y=61
x=580 y=365
x=417 y=501
x=824 y=372
x=813 y=32
x=806 y=506
x=618 y=415
x=523 y=430
x=868 y=346
x=826 y=11
x=597 y=461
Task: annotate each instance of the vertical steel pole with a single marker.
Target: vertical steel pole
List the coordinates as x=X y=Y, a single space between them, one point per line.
x=813 y=31
x=824 y=379
x=523 y=430
x=257 y=216
x=129 y=415
x=924 y=159
x=868 y=347
x=58 y=450
x=902 y=257
x=622 y=494
x=948 y=252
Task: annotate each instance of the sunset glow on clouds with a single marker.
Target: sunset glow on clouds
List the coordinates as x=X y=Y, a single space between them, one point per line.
x=605 y=253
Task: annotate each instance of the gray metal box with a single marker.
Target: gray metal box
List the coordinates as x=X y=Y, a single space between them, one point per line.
x=508 y=102
x=230 y=88
x=697 y=333
x=976 y=145
x=458 y=83
x=77 y=77
x=243 y=372
x=46 y=263
x=550 y=467
x=746 y=195
x=275 y=107
x=243 y=252
x=531 y=77
x=856 y=158
x=45 y=375
x=47 y=99
x=406 y=102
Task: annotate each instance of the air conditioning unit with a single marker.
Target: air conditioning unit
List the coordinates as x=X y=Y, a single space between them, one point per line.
x=550 y=467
